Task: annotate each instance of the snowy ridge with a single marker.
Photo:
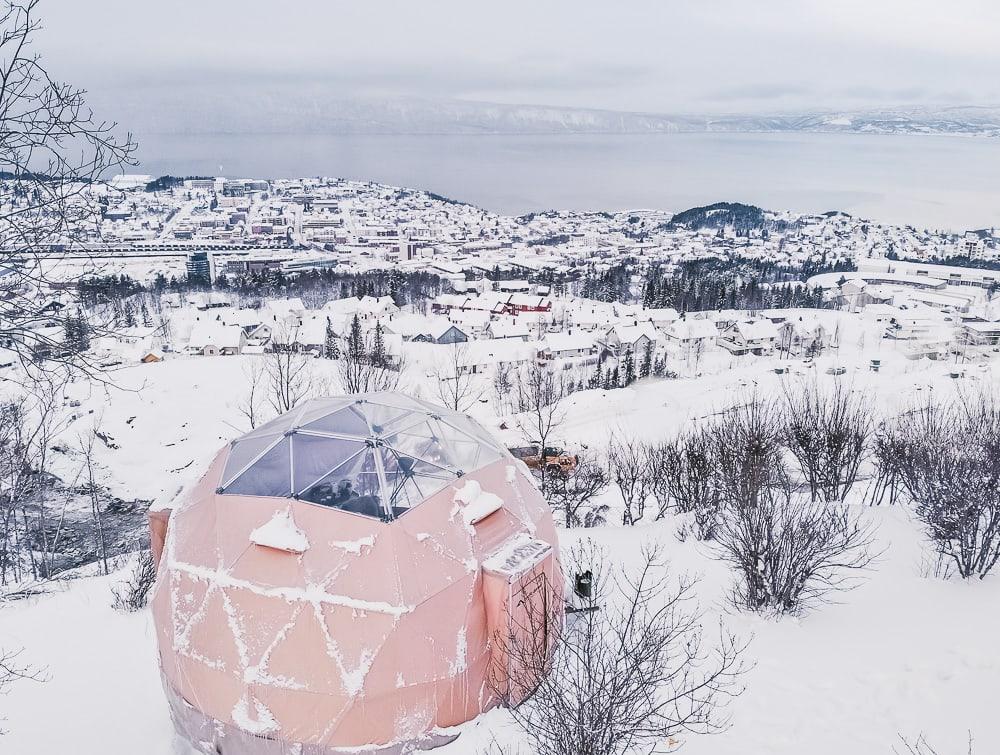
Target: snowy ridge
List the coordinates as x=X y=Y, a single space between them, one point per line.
x=321 y=112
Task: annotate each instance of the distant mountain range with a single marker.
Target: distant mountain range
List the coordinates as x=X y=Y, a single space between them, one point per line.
x=281 y=112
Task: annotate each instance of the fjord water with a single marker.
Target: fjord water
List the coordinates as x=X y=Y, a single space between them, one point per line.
x=926 y=181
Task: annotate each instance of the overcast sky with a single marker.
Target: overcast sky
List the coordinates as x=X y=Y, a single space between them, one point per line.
x=670 y=56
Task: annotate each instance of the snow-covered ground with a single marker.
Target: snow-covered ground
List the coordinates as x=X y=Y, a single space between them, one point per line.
x=903 y=653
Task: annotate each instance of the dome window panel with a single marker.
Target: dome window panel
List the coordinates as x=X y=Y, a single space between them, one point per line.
x=353 y=486
x=348 y=421
x=243 y=453
x=314 y=456
x=270 y=475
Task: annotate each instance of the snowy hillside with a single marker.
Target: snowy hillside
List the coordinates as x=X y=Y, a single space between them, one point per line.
x=903 y=653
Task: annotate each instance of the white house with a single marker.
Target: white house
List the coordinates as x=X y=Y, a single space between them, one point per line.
x=660 y=317
x=248 y=319
x=749 y=337
x=212 y=338
x=568 y=346
x=481 y=356
x=980 y=333
x=474 y=322
x=635 y=338
x=367 y=308
x=283 y=309
x=690 y=337
x=510 y=327
x=801 y=337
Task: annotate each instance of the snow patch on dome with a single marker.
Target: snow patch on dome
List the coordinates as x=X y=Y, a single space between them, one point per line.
x=354 y=546
x=281 y=533
x=477 y=504
x=253 y=716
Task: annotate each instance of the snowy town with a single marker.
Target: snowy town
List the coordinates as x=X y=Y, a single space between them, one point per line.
x=514 y=289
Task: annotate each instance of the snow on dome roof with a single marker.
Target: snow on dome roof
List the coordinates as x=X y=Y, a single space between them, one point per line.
x=376 y=454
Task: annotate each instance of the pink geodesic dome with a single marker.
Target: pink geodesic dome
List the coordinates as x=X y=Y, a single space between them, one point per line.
x=338 y=578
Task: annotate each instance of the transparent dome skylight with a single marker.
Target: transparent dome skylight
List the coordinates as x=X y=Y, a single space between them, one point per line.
x=375 y=454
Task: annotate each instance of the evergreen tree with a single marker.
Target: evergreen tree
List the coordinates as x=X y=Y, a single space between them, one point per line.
x=628 y=368
x=379 y=355
x=647 y=361
x=82 y=333
x=356 y=342
x=597 y=379
x=397 y=286
x=331 y=347
x=76 y=333
x=69 y=333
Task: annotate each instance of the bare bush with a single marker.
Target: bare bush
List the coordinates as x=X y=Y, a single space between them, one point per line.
x=504 y=376
x=572 y=493
x=748 y=452
x=920 y=746
x=12 y=670
x=456 y=386
x=685 y=477
x=791 y=551
x=132 y=593
x=539 y=393
x=630 y=468
x=30 y=531
x=93 y=490
x=630 y=677
x=252 y=405
x=948 y=459
x=290 y=381
x=888 y=477
x=828 y=431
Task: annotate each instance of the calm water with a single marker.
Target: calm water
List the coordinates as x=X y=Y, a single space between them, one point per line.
x=937 y=182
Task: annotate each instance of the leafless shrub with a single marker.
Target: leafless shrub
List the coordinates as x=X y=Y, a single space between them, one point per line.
x=132 y=593
x=12 y=670
x=748 y=452
x=827 y=429
x=888 y=476
x=790 y=551
x=948 y=457
x=936 y=565
x=252 y=405
x=920 y=746
x=456 y=386
x=93 y=489
x=290 y=380
x=30 y=530
x=685 y=477
x=632 y=676
x=540 y=391
x=572 y=493
x=504 y=376
x=629 y=465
